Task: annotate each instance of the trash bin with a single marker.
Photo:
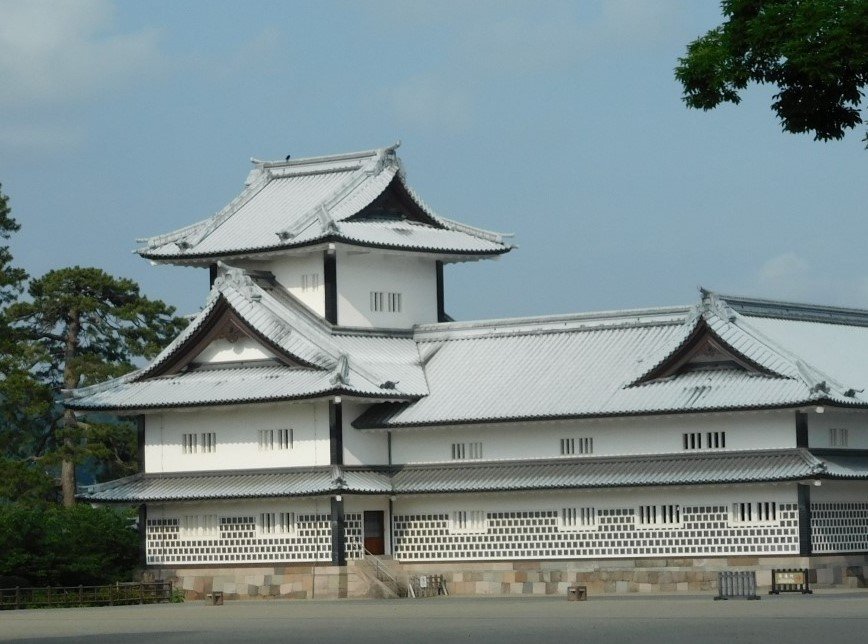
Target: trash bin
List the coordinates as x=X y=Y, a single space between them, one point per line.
x=577 y=593
x=216 y=598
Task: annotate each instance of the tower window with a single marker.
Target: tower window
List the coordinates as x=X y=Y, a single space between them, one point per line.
x=385 y=302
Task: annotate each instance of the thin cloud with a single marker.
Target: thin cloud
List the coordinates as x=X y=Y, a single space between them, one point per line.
x=56 y=52
x=433 y=103
x=497 y=41
x=791 y=277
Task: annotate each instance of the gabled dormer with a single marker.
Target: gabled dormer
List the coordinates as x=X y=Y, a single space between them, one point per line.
x=345 y=234
x=703 y=350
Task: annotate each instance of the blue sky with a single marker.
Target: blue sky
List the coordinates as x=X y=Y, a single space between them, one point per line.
x=558 y=121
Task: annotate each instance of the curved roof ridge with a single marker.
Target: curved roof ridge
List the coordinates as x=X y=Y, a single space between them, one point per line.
x=481 y=233
x=551 y=323
x=800 y=311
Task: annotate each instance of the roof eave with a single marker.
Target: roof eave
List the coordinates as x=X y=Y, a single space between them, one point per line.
x=365 y=426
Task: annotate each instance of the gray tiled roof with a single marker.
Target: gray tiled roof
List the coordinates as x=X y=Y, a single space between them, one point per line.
x=376 y=366
x=573 y=473
x=603 y=472
x=300 y=202
x=238 y=485
x=594 y=366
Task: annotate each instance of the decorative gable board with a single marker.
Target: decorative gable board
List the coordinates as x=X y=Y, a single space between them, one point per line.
x=234 y=346
x=395 y=203
x=703 y=350
x=222 y=335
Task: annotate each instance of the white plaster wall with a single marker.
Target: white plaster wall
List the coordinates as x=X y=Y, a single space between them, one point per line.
x=598 y=499
x=243 y=349
x=288 y=270
x=316 y=505
x=362 y=448
x=359 y=273
x=855 y=421
x=840 y=492
x=621 y=436
x=237 y=437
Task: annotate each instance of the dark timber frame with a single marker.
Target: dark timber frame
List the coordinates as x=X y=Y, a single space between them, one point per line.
x=330 y=279
x=336 y=449
x=441 y=303
x=801 y=429
x=804 y=495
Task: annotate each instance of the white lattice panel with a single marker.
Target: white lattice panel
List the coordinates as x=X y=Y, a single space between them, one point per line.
x=704 y=530
x=839 y=527
x=238 y=541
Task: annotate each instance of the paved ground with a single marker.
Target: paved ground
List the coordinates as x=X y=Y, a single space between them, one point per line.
x=826 y=618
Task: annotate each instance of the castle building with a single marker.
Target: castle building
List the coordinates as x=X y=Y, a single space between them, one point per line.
x=322 y=405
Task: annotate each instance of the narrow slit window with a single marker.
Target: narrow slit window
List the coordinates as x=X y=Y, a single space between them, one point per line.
x=310 y=281
x=838 y=437
x=466 y=451
x=209 y=442
x=385 y=302
x=189 y=443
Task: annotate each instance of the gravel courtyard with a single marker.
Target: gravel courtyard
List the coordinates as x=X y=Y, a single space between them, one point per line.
x=824 y=617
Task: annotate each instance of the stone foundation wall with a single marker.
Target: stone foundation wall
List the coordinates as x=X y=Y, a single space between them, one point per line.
x=621 y=576
x=634 y=575
x=287 y=582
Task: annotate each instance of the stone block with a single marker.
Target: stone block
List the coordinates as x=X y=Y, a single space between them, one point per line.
x=742 y=561
x=825 y=576
x=551 y=587
x=682 y=586
x=764 y=577
x=487 y=588
x=527 y=588
x=647 y=588
x=539 y=588
x=516 y=588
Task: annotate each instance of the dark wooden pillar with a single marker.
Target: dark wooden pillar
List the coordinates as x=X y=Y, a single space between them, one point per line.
x=336 y=432
x=805 y=546
x=441 y=301
x=140 y=441
x=212 y=274
x=330 y=279
x=801 y=429
x=336 y=445
x=339 y=546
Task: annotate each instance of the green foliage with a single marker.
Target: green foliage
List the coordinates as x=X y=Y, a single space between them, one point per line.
x=51 y=545
x=25 y=481
x=11 y=278
x=91 y=325
x=83 y=326
x=814 y=51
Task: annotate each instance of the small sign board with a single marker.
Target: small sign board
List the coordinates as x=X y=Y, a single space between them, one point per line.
x=423 y=581
x=789 y=577
x=791 y=581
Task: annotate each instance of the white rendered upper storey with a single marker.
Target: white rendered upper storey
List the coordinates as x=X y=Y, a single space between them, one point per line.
x=344 y=234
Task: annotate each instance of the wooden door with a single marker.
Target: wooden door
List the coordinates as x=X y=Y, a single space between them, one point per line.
x=375 y=542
